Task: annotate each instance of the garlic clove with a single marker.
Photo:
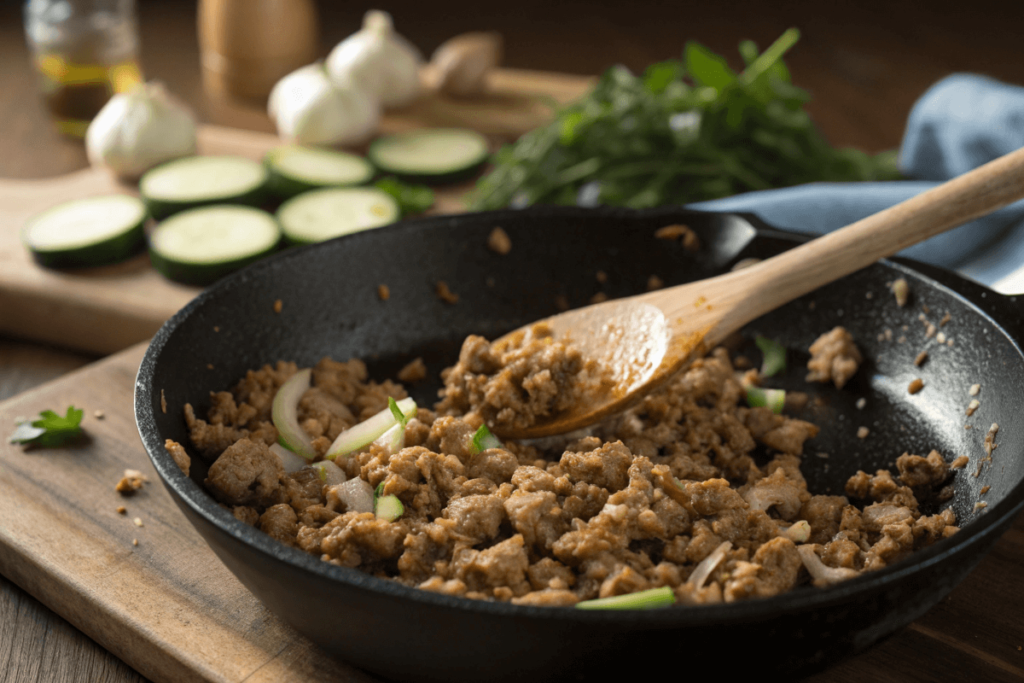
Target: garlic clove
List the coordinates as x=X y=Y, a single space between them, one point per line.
x=308 y=108
x=463 y=63
x=378 y=61
x=140 y=129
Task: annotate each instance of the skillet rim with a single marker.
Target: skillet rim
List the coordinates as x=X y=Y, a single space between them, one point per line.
x=764 y=609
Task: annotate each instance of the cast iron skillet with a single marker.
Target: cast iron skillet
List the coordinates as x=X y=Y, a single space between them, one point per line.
x=330 y=307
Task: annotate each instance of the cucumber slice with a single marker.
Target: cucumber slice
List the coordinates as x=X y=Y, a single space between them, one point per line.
x=324 y=214
x=198 y=181
x=431 y=155
x=201 y=245
x=295 y=169
x=87 y=232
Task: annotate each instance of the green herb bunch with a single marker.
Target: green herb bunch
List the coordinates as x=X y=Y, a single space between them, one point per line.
x=685 y=131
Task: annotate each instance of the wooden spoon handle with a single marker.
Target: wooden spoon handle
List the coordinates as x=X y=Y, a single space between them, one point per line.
x=830 y=257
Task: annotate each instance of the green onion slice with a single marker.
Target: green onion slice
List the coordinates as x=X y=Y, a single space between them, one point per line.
x=774 y=356
x=397 y=412
x=484 y=439
x=648 y=599
x=766 y=398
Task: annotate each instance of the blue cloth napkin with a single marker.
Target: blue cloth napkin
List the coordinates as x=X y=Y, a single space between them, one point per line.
x=960 y=123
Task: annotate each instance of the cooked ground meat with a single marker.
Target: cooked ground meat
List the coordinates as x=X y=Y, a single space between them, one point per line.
x=834 y=357
x=688 y=489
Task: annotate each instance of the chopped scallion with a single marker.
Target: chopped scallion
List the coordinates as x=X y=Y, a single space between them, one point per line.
x=774 y=356
x=484 y=439
x=397 y=412
x=648 y=599
x=766 y=398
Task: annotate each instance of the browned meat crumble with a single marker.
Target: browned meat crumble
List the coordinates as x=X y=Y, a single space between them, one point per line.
x=667 y=493
x=834 y=357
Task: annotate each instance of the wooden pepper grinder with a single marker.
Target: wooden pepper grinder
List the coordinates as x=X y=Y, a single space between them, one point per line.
x=246 y=46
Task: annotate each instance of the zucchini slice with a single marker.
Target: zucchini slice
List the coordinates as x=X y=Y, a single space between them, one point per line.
x=87 y=232
x=199 y=246
x=199 y=181
x=324 y=214
x=295 y=169
x=431 y=155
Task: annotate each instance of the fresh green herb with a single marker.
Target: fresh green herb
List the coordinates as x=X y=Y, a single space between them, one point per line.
x=397 y=412
x=654 y=597
x=412 y=199
x=686 y=130
x=774 y=356
x=766 y=398
x=484 y=439
x=50 y=429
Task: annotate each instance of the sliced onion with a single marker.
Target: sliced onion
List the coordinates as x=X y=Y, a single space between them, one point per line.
x=289 y=461
x=819 y=571
x=364 y=433
x=355 y=494
x=329 y=473
x=703 y=570
x=392 y=440
x=285 y=414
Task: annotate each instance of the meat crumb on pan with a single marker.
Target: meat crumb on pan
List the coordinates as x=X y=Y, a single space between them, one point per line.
x=974 y=390
x=383 y=292
x=499 y=242
x=862 y=432
x=901 y=290
x=916 y=385
x=414 y=371
x=972 y=407
x=278 y=306
x=921 y=358
x=945 y=319
x=984 y=489
x=861 y=402
x=683 y=233
x=444 y=294
x=163 y=402
x=959 y=463
x=601 y=276
x=690 y=488
x=599 y=298
x=990 y=439
x=654 y=283
x=178 y=454
x=834 y=357
x=132 y=481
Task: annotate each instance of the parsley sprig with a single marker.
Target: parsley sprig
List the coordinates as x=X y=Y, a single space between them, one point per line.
x=50 y=429
x=686 y=130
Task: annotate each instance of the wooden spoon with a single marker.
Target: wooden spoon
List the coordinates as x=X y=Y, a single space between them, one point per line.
x=648 y=338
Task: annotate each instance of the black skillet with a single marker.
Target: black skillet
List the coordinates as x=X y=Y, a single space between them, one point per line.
x=330 y=307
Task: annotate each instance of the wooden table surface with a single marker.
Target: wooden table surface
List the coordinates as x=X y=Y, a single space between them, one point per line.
x=865 y=63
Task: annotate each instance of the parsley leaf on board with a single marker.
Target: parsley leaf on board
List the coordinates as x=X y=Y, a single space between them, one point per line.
x=50 y=429
x=684 y=131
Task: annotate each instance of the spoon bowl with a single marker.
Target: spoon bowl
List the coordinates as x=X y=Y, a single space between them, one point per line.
x=644 y=340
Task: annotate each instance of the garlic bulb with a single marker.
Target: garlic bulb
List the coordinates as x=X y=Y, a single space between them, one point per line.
x=463 y=63
x=378 y=60
x=139 y=129
x=309 y=109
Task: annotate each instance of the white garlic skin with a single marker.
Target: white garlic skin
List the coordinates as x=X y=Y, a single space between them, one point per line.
x=138 y=130
x=309 y=109
x=379 y=61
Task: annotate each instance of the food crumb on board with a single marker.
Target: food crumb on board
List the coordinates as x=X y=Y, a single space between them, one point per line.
x=945 y=319
x=984 y=489
x=137 y=521
x=121 y=510
x=681 y=232
x=862 y=432
x=444 y=294
x=163 y=402
x=414 y=371
x=561 y=302
x=601 y=276
x=135 y=541
x=499 y=242
x=959 y=463
x=975 y=388
x=901 y=290
x=278 y=305
x=973 y=406
x=861 y=402
x=132 y=481
x=921 y=358
x=599 y=298
x=654 y=282
x=383 y=292
x=99 y=414
x=915 y=385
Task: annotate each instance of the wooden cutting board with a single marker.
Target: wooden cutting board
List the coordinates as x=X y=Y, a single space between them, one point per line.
x=103 y=310
x=172 y=611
